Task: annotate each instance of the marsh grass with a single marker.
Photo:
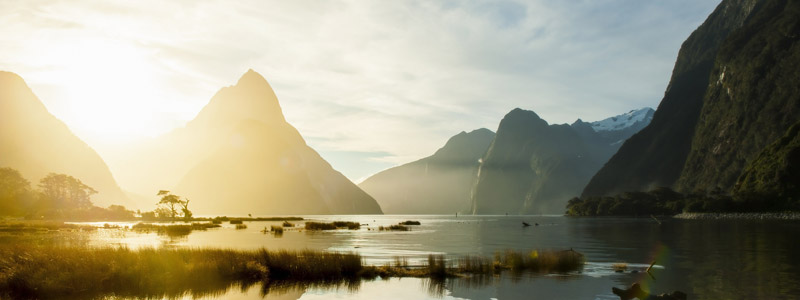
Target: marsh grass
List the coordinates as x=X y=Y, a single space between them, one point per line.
x=393 y=228
x=287 y=224
x=235 y=222
x=241 y=226
x=172 y=229
x=332 y=225
x=35 y=226
x=276 y=229
x=31 y=271
x=409 y=222
x=540 y=261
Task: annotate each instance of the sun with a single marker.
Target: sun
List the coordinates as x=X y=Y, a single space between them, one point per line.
x=106 y=89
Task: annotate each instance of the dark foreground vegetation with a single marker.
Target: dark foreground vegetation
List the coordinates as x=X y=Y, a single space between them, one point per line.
x=332 y=225
x=665 y=201
x=31 y=271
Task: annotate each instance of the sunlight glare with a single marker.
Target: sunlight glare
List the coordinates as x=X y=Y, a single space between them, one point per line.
x=110 y=88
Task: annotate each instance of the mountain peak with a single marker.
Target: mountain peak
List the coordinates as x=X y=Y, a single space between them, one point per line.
x=250 y=98
x=251 y=76
x=521 y=119
x=625 y=120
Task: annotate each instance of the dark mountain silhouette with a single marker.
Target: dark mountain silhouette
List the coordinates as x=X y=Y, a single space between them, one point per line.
x=36 y=143
x=655 y=156
x=532 y=167
x=438 y=184
x=733 y=93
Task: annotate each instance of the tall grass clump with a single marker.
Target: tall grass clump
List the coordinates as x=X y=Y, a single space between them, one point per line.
x=310 y=265
x=437 y=267
x=30 y=272
x=276 y=229
x=409 y=222
x=241 y=226
x=540 y=261
x=287 y=224
x=393 y=228
x=332 y=225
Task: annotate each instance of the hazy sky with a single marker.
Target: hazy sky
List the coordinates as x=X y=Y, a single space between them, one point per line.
x=369 y=84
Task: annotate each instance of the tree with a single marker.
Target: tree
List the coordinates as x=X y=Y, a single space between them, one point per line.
x=15 y=192
x=187 y=214
x=64 y=192
x=170 y=202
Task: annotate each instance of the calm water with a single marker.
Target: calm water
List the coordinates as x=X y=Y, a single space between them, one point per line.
x=705 y=259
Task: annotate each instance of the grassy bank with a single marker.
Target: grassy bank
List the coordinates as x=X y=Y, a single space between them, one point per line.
x=30 y=271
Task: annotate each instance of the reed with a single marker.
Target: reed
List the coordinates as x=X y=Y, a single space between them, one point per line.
x=276 y=229
x=393 y=228
x=332 y=225
x=241 y=226
x=32 y=271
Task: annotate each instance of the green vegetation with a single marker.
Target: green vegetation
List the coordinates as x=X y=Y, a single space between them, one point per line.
x=30 y=271
x=393 y=228
x=407 y=223
x=332 y=225
x=665 y=201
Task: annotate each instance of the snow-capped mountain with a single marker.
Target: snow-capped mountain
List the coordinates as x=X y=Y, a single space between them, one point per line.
x=623 y=121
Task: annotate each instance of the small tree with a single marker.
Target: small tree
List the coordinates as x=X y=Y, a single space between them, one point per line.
x=187 y=214
x=170 y=202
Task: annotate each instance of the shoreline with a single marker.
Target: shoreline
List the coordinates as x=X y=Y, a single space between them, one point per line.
x=777 y=216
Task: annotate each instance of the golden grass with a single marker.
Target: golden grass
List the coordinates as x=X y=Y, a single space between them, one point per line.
x=31 y=271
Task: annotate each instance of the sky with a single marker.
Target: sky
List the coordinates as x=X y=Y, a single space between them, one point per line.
x=369 y=84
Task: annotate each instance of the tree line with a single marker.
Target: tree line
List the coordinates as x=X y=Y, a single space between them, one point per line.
x=61 y=196
x=665 y=201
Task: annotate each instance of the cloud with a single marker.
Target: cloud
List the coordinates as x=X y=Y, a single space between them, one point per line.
x=394 y=77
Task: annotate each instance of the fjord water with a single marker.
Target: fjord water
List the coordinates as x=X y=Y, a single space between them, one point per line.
x=705 y=259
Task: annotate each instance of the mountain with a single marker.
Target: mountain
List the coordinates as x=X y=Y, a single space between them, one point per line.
x=437 y=184
x=732 y=94
x=534 y=168
x=240 y=156
x=753 y=98
x=36 y=143
x=775 y=173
